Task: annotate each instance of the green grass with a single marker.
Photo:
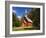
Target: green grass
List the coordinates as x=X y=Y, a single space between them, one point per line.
x=31 y=28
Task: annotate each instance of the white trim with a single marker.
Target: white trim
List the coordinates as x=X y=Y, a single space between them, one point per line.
x=28 y=31
x=28 y=18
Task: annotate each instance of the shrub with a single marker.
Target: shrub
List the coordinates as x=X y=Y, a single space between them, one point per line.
x=17 y=24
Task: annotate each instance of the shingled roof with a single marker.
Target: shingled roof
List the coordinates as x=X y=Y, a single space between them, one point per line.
x=27 y=19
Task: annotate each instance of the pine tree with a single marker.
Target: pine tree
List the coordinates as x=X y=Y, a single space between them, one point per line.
x=13 y=19
x=35 y=16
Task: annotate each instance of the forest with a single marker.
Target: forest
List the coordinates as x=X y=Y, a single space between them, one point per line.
x=34 y=15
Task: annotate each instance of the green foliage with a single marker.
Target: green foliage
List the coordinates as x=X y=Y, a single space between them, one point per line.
x=13 y=19
x=16 y=23
x=35 y=16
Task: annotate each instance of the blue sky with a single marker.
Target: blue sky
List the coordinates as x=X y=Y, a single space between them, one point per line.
x=20 y=11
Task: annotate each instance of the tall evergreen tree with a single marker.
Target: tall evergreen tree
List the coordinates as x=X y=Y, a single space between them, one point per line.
x=13 y=18
x=35 y=16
